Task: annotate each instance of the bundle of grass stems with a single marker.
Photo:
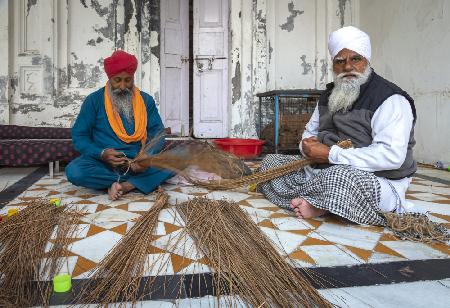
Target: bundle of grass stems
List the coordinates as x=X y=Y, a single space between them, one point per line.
x=245 y=263
x=230 y=168
x=200 y=154
x=118 y=277
x=25 y=259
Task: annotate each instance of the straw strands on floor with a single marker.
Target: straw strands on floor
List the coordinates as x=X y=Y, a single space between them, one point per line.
x=118 y=276
x=244 y=261
x=26 y=257
x=416 y=227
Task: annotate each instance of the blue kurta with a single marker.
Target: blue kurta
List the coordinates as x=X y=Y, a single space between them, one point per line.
x=91 y=134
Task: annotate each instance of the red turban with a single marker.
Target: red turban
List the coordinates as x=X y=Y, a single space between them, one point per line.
x=120 y=61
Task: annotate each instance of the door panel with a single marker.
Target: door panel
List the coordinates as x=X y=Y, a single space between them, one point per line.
x=174 y=67
x=210 y=89
x=210 y=68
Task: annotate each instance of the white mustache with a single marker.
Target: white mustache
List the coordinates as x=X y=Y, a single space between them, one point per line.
x=353 y=73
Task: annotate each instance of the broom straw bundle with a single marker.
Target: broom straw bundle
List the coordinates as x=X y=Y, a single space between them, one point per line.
x=211 y=159
x=244 y=261
x=24 y=257
x=118 y=276
x=261 y=177
x=193 y=153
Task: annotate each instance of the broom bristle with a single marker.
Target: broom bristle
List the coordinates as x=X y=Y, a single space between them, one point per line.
x=195 y=153
x=244 y=262
x=118 y=276
x=23 y=256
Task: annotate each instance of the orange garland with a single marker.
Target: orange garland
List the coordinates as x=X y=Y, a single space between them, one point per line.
x=140 y=118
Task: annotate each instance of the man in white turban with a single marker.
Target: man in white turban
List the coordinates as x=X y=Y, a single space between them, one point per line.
x=360 y=183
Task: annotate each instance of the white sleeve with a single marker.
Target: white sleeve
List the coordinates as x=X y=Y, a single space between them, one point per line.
x=311 y=128
x=391 y=126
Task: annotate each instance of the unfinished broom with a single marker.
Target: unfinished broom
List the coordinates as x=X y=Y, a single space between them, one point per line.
x=24 y=257
x=244 y=261
x=118 y=276
x=261 y=177
x=193 y=153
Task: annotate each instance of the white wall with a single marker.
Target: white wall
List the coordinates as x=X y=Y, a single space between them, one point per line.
x=56 y=53
x=279 y=44
x=410 y=47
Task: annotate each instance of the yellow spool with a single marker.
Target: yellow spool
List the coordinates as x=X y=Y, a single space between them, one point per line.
x=62 y=283
x=55 y=202
x=252 y=188
x=12 y=212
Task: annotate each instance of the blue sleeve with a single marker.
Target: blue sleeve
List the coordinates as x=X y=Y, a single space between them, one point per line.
x=82 y=129
x=155 y=126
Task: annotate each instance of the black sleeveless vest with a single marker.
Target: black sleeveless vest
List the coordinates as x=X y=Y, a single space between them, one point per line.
x=355 y=124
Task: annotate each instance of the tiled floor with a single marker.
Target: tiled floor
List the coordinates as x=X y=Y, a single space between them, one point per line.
x=9 y=176
x=324 y=242
x=411 y=295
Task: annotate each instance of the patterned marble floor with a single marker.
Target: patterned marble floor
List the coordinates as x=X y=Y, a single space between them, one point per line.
x=323 y=242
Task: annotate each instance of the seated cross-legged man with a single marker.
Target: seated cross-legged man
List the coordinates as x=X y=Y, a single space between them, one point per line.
x=378 y=117
x=113 y=125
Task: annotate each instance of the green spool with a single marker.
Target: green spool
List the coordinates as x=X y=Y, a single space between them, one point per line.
x=62 y=283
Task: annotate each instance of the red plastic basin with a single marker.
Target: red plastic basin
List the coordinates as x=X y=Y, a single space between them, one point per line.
x=245 y=148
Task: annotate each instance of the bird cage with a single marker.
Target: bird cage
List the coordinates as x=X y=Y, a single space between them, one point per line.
x=283 y=115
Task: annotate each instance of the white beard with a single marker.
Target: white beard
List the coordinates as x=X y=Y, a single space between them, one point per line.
x=122 y=102
x=346 y=90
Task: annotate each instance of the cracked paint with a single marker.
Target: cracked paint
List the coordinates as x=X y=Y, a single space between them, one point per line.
x=289 y=24
x=270 y=51
x=36 y=60
x=83 y=2
x=323 y=69
x=341 y=5
x=155 y=27
x=26 y=108
x=3 y=87
x=307 y=67
x=236 y=83
x=30 y=3
x=14 y=82
x=128 y=13
x=87 y=75
x=139 y=9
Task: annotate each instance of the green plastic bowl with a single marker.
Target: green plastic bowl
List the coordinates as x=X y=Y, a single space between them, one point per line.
x=62 y=283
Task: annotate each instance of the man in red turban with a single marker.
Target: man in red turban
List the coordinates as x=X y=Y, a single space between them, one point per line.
x=113 y=125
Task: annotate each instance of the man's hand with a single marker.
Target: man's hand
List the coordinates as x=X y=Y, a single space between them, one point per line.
x=314 y=150
x=113 y=158
x=137 y=168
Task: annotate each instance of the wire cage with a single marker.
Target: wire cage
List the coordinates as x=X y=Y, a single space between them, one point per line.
x=283 y=115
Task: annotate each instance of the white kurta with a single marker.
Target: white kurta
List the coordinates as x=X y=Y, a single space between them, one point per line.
x=391 y=126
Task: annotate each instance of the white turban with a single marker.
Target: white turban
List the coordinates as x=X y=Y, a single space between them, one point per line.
x=351 y=38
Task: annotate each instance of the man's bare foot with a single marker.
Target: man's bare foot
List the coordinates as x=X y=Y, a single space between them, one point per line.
x=303 y=209
x=117 y=190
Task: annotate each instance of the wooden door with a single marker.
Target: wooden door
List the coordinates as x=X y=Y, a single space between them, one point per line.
x=210 y=49
x=174 y=65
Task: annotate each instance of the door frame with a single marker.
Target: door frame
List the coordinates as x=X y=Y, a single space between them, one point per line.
x=162 y=101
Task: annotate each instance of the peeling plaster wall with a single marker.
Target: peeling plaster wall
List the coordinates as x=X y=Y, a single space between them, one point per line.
x=410 y=40
x=279 y=44
x=55 y=67
x=4 y=51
